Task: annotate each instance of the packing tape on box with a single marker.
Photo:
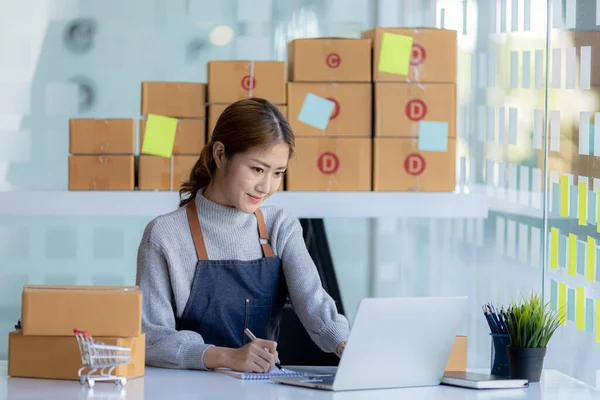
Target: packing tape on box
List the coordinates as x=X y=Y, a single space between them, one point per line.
x=416 y=68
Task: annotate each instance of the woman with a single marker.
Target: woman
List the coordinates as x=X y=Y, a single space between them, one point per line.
x=220 y=264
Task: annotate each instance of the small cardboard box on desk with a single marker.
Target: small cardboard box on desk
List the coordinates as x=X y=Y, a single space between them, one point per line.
x=46 y=347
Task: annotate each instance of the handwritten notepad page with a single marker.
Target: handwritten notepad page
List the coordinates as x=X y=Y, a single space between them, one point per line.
x=275 y=372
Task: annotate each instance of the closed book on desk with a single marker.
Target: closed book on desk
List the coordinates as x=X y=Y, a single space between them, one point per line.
x=482 y=381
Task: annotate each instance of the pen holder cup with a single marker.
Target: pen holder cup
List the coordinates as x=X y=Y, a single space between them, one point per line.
x=499 y=359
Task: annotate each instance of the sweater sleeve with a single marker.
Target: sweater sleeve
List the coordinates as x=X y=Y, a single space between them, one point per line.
x=313 y=305
x=166 y=347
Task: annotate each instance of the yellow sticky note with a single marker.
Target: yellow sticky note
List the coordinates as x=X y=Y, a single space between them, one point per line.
x=562 y=302
x=598 y=212
x=564 y=196
x=554 y=248
x=597 y=321
x=572 y=257
x=159 y=137
x=582 y=203
x=395 y=54
x=579 y=308
x=590 y=259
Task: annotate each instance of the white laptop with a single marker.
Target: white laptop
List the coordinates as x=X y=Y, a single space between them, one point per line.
x=394 y=342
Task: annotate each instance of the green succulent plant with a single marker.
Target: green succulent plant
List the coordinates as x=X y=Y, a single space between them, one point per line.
x=531 y=323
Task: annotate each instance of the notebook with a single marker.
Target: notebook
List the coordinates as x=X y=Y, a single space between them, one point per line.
x=482 y=381
x=275 y=372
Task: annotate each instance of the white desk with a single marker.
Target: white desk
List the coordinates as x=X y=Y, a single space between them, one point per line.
x=181 y=385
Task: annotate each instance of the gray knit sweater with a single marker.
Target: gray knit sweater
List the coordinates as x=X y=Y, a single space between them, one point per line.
x=167 y=261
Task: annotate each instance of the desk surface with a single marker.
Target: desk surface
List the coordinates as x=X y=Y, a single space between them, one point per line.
x=178 y=384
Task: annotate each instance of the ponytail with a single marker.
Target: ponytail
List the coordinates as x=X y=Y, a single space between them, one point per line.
x=200 y=176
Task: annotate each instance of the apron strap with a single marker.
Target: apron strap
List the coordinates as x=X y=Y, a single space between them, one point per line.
x=192 y=214
x=264 y=235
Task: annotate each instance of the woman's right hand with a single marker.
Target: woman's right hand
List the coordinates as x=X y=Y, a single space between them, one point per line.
x=253 y=356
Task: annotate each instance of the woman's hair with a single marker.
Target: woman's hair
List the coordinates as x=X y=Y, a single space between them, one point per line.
x=244 y=125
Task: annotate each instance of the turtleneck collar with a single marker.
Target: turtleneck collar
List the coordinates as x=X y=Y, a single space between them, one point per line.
x=218 y=214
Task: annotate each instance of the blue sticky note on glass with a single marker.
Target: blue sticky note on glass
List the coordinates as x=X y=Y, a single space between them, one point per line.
x=562 y=250
x=574 y=201
x=555 y=199
x=581 y=247
x=553 y=295
x=316 y=111
x=589 y=315
x=591 y=213
x=433 y=136
x=571 y=305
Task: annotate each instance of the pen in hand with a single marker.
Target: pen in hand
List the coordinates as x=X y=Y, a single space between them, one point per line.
x=252 y=337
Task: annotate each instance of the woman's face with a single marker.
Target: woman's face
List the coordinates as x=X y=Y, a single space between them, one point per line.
x=250 y=178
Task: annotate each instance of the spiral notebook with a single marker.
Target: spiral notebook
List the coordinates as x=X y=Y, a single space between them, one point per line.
x=275 y=372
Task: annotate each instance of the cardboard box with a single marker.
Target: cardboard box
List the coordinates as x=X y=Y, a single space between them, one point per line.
x=329 y=60
x=101 y=172
x=400 y=166
x=400 y=106
x=101 y=136
x=53 y=310
x=434 y=55
x=58 y=357
x=174 y=99
x=351 y=116
x=215 y=111
x=155 y=172
x=457 y=362
x=189 y=138
x=230 y=81
x=336 y=164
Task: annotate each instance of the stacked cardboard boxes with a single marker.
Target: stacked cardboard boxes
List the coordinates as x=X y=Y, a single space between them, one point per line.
x=101 y=154
x=415 y=115
x=186 y=102
x=45 y=345
x=230 y=81
x=339 y=157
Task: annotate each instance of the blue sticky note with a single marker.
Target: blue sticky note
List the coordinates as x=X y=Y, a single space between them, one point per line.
x=573 y=201
x=591 y=214
x=553 y=295
x=562 y=250
x=581 y=246
x=433 y=136
x=555 y=199
x=316 y=111
x=589 y=315
x=571 y=305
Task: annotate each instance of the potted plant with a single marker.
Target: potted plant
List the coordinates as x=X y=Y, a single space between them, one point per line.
x=530 y=325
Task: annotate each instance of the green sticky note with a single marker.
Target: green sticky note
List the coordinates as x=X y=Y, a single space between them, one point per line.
x=554 y=248
x=579 y=308
x=553 y=295
x=589 y=315
x=571 y=304
x=572 y=257
x=564 y=196
x=159 y=137
x=590 y=259
x=395 y=54
x=582 y=206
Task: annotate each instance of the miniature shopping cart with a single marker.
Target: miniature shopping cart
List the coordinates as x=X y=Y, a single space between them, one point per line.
x=100 y=360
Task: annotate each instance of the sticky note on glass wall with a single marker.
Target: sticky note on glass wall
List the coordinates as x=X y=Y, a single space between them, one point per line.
x=316 y=111
x=562 y=303
x=554 y=248
x=590 y=259
x=395 y=53
x=553 y=294
x=433 y=136
x=579 y=308
x=572 y=256
x=564 y=196
x=571 y=304
x=159 y=136
x=582 y=203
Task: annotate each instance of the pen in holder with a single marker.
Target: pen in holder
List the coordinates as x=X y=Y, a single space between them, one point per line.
x=499 y=358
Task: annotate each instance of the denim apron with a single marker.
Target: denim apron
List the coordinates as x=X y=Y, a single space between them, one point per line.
x=228 y=296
